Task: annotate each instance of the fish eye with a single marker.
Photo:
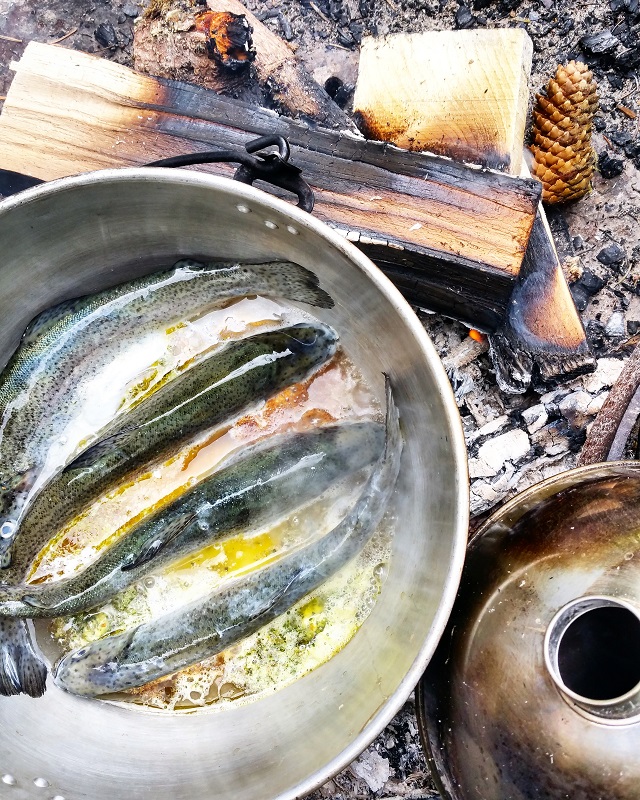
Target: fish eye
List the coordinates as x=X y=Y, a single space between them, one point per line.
x=80 y=653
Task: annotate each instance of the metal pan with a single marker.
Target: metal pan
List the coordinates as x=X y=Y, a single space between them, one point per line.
x=82 y=234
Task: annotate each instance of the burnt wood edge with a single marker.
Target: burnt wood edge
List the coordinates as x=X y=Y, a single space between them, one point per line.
x=520 y=355
x=195 y=103
x=470 y=293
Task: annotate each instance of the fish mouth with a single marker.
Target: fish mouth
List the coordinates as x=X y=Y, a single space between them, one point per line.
x=319 y=337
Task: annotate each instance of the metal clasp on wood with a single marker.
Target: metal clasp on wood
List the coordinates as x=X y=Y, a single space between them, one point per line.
x=273 y=168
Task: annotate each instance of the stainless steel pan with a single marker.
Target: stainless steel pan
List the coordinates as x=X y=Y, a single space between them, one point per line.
x=82 y=234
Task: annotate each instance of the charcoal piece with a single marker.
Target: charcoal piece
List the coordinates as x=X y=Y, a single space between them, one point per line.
x=615 y=81
x=633 y=326
x=565 y=26
x=609 y=167
x=338 y=12
x=599 y=123
x=130 y=9
x=105 y=35
x=596 y=336
x=621 y=138
x=357 y=30
x=628 y=60
x=632 y=151
x=345 y=39
x=584 y=288
x=338 y=91
x=285 y=27
x=611 y=254
x=464 y=17
x=631 y=7
x=600 y=44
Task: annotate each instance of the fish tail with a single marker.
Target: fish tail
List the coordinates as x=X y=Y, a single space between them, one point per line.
x=298 y=283
x=22 y=671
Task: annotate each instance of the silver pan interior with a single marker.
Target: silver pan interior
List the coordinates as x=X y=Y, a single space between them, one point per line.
x=79 y=235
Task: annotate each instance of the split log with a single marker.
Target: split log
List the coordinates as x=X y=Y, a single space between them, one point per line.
x=171 y=45
x=452 y=236
x=462 y=94
x=465 y=94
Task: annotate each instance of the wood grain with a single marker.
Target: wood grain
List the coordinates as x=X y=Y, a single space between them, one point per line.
x=465 y=94
x=462 y=94
x=457 y=233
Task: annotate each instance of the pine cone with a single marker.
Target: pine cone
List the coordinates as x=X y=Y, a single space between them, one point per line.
x=564 y=157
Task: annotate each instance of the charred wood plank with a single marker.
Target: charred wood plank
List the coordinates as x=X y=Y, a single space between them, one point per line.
x=462 y=94
x=178 y=43
x=457 y=232
x=541 y=337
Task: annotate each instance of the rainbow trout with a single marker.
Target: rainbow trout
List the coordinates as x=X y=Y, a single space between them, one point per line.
x=227 y=383
x=265 y=483
x=212 y=624
x=66 y=347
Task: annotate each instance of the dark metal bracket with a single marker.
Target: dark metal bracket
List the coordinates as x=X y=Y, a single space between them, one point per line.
x=273 y=168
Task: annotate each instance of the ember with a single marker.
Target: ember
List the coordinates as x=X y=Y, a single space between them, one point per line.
x=229 y=41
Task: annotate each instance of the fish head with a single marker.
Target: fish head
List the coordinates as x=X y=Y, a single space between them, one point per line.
x=311 y=344
x=91 y=670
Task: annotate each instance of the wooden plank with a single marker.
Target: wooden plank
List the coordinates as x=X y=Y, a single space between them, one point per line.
x=435 y=220
x=541 y=337
x=290 y=85
x=465 y=94
x=462 y=94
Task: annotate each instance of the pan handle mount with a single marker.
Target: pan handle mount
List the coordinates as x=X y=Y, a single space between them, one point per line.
x=255 y=164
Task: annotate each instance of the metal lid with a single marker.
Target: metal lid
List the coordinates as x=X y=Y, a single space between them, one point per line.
x=534 y=691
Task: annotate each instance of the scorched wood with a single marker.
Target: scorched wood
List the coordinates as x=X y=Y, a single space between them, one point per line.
x=456 y=234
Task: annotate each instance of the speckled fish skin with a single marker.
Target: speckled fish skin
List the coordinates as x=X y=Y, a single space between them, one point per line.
x=240 y=375
x=21 y=669
x=210 y=625
x=266 y=482
x=66 y=346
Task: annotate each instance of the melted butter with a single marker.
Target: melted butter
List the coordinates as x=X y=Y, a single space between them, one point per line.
x=236 y=556
x=313 y=630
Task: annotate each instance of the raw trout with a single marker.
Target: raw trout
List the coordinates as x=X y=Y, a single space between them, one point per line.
x=228 y=382
x=66 y=347
x=268 y=481
x=224 y=385
x=212 y=624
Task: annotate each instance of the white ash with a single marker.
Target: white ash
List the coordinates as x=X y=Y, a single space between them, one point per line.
x=372 y=768
x=393 y=767
x=518 y=440
x=535 y=417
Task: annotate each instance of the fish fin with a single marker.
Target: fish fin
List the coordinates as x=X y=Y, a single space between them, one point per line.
x=150 y=549
x=22 y=671
x=90 y=457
